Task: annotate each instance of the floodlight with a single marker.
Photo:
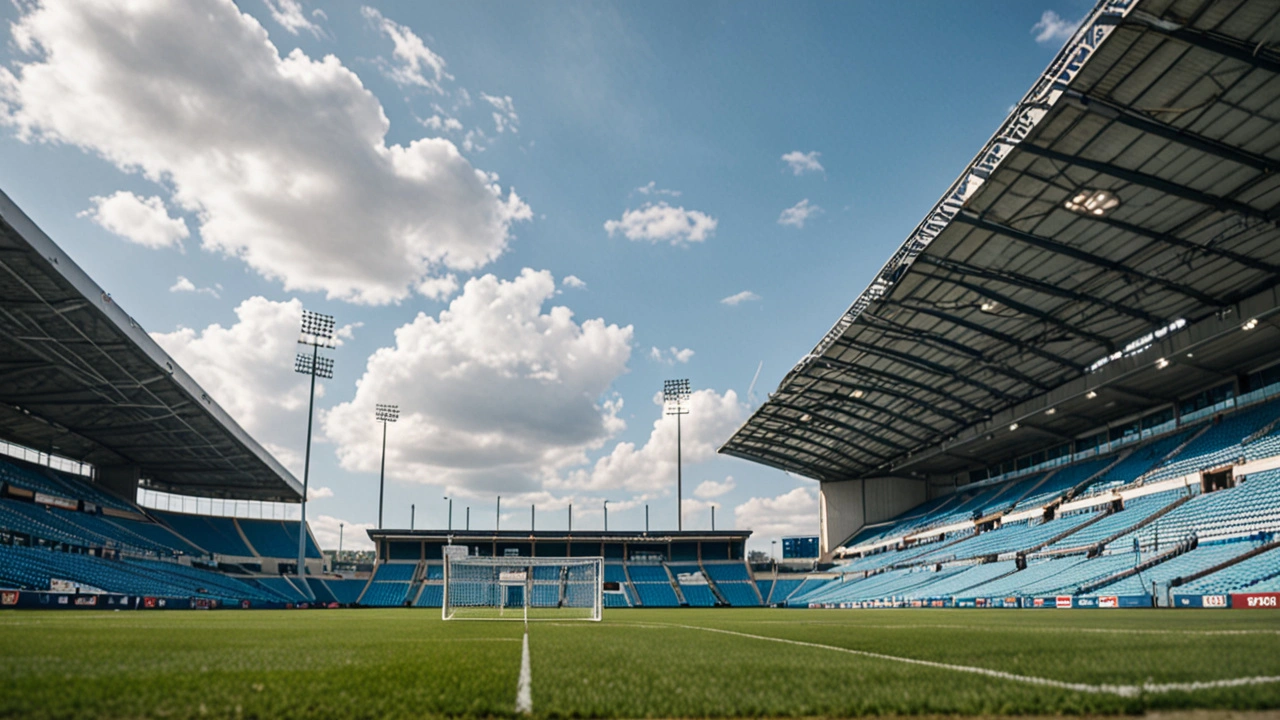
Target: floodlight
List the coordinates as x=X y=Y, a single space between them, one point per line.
x=386 y=413
x=317 y=329
x=674 y=394
x=1092 y=202
x=1090 y=395
x=1013 y=427
x=1051 y=411
x=1250 y=324
x=857 y=394
x=322 y=366
x=675 y=391
x=1162 y=363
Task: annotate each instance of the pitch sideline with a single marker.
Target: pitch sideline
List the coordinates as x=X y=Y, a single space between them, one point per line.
x=1120 y=690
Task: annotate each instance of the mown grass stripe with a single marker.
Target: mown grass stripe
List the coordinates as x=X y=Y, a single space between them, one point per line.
x=1119 y=690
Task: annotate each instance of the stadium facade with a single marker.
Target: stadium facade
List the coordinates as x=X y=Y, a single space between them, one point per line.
x=1084 y=322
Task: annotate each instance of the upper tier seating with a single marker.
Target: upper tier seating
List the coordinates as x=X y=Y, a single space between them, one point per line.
x=1251 y=506
x=47 y=480
x=1201 y=558
x=217 y=535
x=276 y=538
x=1259 y=573
x=1134 y=512
x=1218 y=444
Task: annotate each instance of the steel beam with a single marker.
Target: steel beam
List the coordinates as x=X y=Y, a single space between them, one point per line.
x=848 y=367
x=799 y=425
x=1030 y=283
x=923 y=405
x=1026 y=309
x=910 y=334
x=1148 y=124
x=973 y=219
x=1151 y=181
x=1002 y=337
x=1258 y=56
x=925 y=365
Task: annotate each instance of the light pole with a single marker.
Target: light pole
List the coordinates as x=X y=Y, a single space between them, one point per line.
x=646 y=518
x=317 y=331
x=384 y=414
x=340 y=526
x=497 y=523
x=674 y=394
x=606 y=516
x=570 y=518
x=413 y=509
x=533 y=518
x=446 y=497
x=713 y=518
x=468 y=518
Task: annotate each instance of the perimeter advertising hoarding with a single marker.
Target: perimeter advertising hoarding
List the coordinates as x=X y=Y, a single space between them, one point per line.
x=1255 y=601
x=1201 y=601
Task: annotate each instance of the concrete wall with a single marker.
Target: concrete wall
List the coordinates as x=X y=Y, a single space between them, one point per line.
x=848 y=505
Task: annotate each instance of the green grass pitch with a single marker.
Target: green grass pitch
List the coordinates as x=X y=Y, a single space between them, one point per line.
x=408 y=663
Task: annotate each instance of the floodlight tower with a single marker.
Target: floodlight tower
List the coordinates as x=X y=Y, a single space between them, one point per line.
x=675 y=393
x=384 y=414
x=317 y=331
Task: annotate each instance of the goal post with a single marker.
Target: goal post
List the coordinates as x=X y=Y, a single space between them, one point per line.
x=523 y=588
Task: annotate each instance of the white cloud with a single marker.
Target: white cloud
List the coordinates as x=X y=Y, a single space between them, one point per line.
x=496 y=393
x=283 y=159
x=144 y=221
x=792 y=513
x=184 y=285
x=414 y=60
x=712 y=489
x=439 y=288
x=573 y=281
x=326 y=530
x=671 y=356
x=801 y=162
x=798 y=213
x=247 y=368
x=1052 y=28
x=661 y=222
x=711 y=420
x=504 y=115
x=317 y=493
x=653 y=189
x=739 y=298
x=288 y=14
x=442 y=123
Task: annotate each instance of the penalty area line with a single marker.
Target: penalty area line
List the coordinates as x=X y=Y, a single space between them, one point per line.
x=1121 y=690
x=524 y=696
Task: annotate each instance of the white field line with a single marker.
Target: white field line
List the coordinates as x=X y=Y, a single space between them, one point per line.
x=1026 y=628
x=524 y=696
x=1121 y=690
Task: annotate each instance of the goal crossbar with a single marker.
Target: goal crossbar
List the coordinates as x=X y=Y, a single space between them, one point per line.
x=523 y=588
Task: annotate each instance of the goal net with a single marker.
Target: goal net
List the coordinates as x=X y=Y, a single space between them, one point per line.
x=523 y=588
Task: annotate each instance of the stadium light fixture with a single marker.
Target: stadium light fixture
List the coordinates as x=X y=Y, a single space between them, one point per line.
x=384 y=414
x=675 y=393
x=1162 y=363
x=1051 y=411
x=1013 y=426
x=1249 y=324
x=857 y=394
x=1096 y=203
x=1090 y=395
x=316 y=332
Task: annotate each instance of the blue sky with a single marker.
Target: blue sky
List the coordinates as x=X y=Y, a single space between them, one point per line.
x=525 y=216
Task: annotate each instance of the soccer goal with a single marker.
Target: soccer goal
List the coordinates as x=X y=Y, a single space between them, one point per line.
x=523 y=588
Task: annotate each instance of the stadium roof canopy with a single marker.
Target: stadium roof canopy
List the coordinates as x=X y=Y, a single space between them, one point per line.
x=81 y=379
x=1100 y=256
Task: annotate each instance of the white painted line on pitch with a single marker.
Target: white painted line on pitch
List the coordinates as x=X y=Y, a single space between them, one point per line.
x=1121 y=690
x=524 y=697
